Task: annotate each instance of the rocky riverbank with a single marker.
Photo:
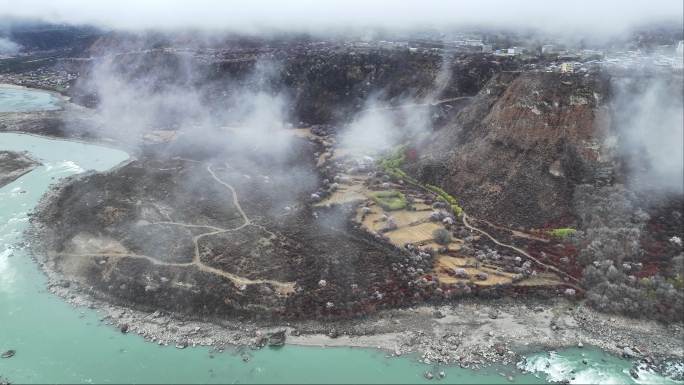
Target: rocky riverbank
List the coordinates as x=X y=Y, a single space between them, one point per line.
x=15 y=164
x=470 y=333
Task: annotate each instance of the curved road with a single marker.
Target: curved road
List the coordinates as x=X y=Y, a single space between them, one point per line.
x=282 y=288
x=523 y=253
x=415 y=105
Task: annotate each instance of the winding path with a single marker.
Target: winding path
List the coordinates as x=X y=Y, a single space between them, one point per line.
x=414 y=105
x=523 y=253
x=511 y=247
x=464 y=217
x=236 y=202
x=282 y=288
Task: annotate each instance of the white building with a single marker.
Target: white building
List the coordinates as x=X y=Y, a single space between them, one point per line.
x=591 y=52
x=548 y=49
x=473 y=42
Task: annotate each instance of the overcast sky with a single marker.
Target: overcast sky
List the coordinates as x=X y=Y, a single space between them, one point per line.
x=601 y=16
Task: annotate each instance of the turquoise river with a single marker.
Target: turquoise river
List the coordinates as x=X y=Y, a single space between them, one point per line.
x=57 y=343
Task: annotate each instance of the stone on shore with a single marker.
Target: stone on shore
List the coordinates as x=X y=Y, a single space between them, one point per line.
x=277 y=338
x=627 y=352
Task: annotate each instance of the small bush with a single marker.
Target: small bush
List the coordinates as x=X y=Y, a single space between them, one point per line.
x=446 y=197
x=442 y=236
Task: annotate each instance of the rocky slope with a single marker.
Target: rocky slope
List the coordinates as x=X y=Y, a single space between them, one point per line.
x=547 y=150
x=524 y=148
x=515 y=153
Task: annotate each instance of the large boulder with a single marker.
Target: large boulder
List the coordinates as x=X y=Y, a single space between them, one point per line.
x=277 y=338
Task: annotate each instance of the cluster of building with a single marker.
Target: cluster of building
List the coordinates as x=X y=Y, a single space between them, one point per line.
x=45 y=78
x=459 y=45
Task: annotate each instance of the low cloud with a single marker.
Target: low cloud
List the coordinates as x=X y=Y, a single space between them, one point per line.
x=8 y=47
x=247 y=116
x=258 y=16
x=650 y=123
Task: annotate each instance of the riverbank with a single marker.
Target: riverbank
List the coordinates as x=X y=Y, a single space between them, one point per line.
x=470 y=333
x=15 y=164
x=60 y=95
x=53 y=115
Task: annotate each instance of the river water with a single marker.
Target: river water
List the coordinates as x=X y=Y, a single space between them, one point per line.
x=17 y=99
x=57 y=343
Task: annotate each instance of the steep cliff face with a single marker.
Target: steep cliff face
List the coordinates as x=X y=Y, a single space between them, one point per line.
x=516 y=152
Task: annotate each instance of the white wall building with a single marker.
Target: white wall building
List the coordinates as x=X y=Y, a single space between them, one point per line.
x=548 y=49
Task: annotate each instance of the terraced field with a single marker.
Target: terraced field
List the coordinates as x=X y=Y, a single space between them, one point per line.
x=416 y=225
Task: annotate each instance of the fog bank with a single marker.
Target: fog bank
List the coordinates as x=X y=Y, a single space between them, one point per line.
x=650 y=122
x=8 y=47
x=581 y=16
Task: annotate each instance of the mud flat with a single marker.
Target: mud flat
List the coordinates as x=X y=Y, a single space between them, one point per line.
x=13 y=165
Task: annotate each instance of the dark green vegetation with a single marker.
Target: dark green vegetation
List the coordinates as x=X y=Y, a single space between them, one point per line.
x=442 y=236
x=25 y=64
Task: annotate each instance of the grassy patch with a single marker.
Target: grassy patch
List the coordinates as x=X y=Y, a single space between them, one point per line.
x=394 y=159
x=391 y=165
x=390 y=199
x=562 y=233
